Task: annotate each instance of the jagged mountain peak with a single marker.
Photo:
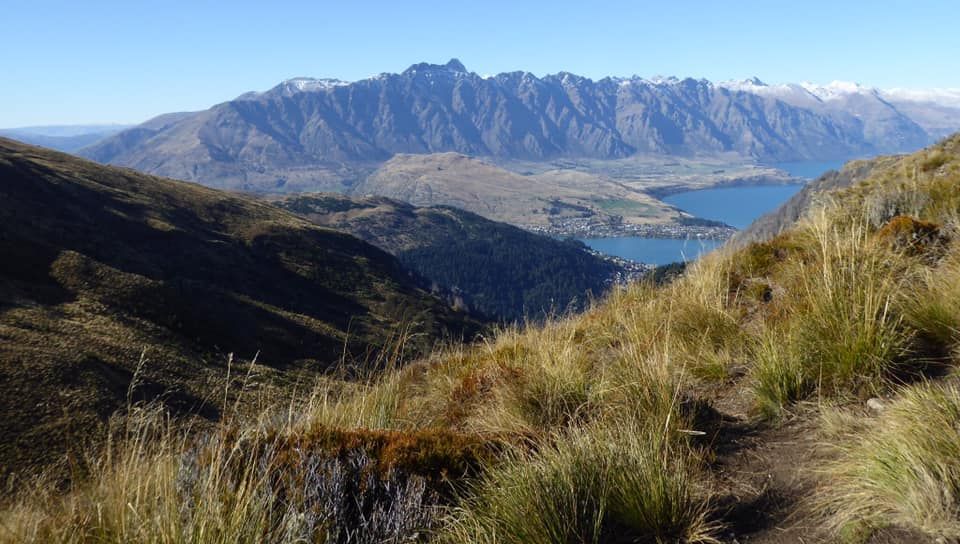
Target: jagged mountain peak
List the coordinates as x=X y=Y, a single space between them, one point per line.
x=452 y=66
x=305 y=125
x=748 y=84
x=455 y=65
x=660 y=80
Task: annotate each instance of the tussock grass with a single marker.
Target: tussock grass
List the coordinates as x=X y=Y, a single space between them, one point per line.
x=844 y=331
x=589 y=485
x=547 y=381
x=901 y=468
x=624 y=356
x=148 y=487
x=779 y=375
x=157 y=482
x=373 y=404
x=934 y=309
x=589 y=414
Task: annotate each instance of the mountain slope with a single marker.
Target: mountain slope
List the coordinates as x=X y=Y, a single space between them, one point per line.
x=543 y=199
x=308 y=134
x=101 y=264
x=497 y=269
x=798 y=390
x=774 y=222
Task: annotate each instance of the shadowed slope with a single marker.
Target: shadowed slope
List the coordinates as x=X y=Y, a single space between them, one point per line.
x=100 y=264
x=498 y=269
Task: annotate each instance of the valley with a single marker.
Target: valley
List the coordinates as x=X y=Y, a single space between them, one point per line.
x=762 y=391
x=536 y=300
x=498 y=270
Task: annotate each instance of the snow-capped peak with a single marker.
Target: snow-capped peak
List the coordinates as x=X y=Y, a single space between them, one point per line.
x=836 y=89
x=308 y=84
x=791 y=93
x=750 y=85
x=296 y=85
x=662 y=80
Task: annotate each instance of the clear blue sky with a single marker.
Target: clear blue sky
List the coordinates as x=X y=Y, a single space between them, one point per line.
x=81 y=61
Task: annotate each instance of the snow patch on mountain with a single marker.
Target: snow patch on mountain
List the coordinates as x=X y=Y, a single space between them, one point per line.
x=791 y=93
x=942 y=97
x=836 y=90
x=308 y=84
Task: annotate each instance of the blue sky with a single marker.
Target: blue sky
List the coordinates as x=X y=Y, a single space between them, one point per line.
x=69 y=61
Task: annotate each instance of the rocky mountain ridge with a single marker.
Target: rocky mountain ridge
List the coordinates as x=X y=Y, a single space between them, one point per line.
x=310 y=134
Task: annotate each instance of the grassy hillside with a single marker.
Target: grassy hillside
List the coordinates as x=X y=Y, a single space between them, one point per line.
x=784 y=217
x=796 y=390
x=551 y=198
x=102 y=265
x=496 y=269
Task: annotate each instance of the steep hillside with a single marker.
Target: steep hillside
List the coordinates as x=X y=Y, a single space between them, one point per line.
x=799 y=390
x=773 y=223
x=497 y=269
x=101 y=264
x=791 y=211
x=321 y=134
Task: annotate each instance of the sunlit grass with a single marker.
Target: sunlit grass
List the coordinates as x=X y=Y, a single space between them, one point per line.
x=901 y=468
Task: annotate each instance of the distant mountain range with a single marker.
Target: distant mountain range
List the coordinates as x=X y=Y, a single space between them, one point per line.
x=325 y=134
x=68 y=138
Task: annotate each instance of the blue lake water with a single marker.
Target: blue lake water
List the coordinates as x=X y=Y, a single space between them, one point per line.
x=735 y=206
x=653 y=250
x=808 y=169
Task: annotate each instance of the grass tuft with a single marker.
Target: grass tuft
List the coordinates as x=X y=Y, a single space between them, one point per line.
x=900 y=469
x=589 y=485
x=844 y=333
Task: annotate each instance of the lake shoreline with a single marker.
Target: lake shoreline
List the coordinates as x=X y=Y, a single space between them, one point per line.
x=673 y=231
x=665 y=191
x=652 y=252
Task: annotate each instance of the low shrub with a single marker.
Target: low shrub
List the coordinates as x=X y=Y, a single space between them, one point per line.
x=157 y=482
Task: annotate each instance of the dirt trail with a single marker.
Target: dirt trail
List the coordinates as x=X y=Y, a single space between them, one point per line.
x=767 y=473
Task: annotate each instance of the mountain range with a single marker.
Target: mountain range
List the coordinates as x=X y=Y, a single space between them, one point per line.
x=67 y=138
x=310 y=134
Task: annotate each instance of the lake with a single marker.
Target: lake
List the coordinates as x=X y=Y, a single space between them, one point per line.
x=655 y=251
x=735 y=206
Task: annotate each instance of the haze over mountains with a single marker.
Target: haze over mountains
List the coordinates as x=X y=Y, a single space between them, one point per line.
x=67 y=138
x=307 y=134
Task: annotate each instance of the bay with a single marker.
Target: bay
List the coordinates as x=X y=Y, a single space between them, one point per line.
x=735 y=206
x=808 y=169
x=656 y=251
